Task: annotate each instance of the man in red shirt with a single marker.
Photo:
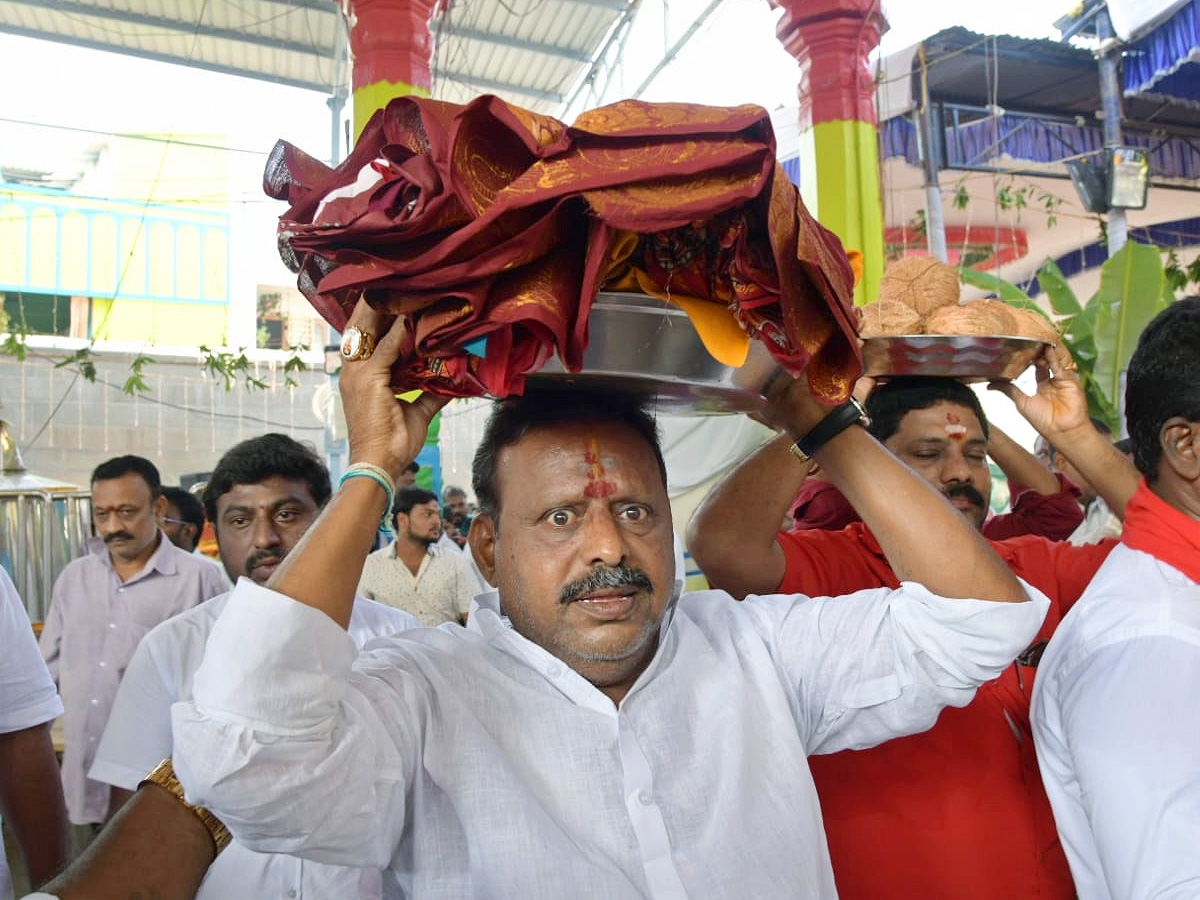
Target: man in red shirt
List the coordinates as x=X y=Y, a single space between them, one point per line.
x=959 y=811
x=1043 y=501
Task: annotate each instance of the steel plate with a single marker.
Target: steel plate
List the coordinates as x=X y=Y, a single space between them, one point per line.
x=646 y=346
x=965 y=357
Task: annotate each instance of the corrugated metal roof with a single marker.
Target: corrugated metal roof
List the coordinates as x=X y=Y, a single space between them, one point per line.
x=531 y=52
x=1036 y=76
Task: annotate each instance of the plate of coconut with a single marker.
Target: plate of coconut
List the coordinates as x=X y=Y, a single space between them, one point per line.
x=919 y=326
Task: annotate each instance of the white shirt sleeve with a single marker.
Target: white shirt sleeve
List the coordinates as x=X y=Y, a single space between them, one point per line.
x=27 y=694
x=878 y=664
x=1129 y=716
x=302 y=680
x=138 y=734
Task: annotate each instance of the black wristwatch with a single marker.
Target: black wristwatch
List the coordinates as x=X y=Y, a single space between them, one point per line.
x=837 y=421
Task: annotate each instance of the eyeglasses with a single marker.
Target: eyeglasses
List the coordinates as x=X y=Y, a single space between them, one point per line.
x=175 y=521
x=124 y=513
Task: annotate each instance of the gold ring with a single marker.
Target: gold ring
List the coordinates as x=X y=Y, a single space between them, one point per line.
x=357 y=344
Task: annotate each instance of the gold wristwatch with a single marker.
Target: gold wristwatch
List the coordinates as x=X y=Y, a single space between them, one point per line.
x=164 y=776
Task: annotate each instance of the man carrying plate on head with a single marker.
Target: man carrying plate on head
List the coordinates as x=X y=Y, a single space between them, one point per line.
x=958 y=811
x=589 y=733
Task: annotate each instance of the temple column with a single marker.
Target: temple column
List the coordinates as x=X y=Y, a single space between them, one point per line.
x=392 y=53
x=839 y=149
x=392 y=49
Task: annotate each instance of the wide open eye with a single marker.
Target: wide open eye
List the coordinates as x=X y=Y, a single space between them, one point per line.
x=561 y=518
x=635 y=513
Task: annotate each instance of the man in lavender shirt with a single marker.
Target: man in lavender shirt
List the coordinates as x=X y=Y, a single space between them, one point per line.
x=103 y=603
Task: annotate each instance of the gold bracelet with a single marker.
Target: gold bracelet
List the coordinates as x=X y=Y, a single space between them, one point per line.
x=164 y=776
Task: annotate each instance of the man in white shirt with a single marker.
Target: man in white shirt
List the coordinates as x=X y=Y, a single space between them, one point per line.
x=588 y=734
x=31 y=794
x=262 y=496
x=415 y=572
x=1115 y=716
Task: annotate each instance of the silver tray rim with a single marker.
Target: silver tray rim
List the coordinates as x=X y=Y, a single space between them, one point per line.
x=1006 y=356
x=729 y=390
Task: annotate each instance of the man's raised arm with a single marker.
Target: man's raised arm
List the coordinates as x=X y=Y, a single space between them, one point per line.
x=924 y=538
x=265 y=742
x=324 y=569
x=732 y=533
x=1059 y=412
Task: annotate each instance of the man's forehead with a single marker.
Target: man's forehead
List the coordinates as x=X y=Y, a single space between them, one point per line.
x=577 y=454
x=269 y=492
x=129 y=483
x=943 y=419
x=579 y=439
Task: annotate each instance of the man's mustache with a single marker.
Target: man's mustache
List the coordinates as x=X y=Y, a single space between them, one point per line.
x=118 y=536
x=606 y=577
x=254 y=560
x=968 y=491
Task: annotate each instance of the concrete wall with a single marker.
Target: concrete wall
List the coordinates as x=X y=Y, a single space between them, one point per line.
x=65 y=426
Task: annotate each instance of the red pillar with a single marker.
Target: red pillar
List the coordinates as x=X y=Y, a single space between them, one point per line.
x=392 y=49
x=832 y=40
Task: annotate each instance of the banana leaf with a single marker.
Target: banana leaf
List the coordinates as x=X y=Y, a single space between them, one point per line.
x=1131 y=294
x=1080 y=332
x=1062 y=299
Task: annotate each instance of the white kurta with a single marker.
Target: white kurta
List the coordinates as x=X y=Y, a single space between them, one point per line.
x=1116 y=722
x=138 y=737
x=27 y=694
x=476 y=764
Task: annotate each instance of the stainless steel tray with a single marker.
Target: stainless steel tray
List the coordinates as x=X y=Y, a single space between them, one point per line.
x=644 y=345
x=965 y=357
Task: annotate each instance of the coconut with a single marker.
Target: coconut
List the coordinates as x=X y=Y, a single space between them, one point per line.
x=884 y=317
x=978 y=317
x=921 y=283
x=1032 y=325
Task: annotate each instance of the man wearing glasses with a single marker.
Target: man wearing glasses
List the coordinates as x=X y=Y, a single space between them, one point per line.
x=103 y=603
x=183 y=523
x=183 y=518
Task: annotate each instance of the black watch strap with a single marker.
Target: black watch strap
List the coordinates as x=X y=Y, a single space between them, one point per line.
x=837 y=421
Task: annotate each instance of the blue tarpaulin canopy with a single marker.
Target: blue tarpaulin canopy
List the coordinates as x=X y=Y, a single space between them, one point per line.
x=1166 y=62
x=999 y=96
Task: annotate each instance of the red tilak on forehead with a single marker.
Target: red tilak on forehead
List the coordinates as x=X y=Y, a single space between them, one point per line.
x=955 y=430
x=598 y=486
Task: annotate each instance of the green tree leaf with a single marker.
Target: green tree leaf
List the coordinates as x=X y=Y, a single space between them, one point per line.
x=1131 y=294
x=135 y=384
x=14 y=345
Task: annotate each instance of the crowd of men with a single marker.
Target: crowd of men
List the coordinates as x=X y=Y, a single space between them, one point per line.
x=897 y=695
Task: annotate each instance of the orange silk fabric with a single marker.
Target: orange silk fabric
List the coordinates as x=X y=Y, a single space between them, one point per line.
x=487 y=221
